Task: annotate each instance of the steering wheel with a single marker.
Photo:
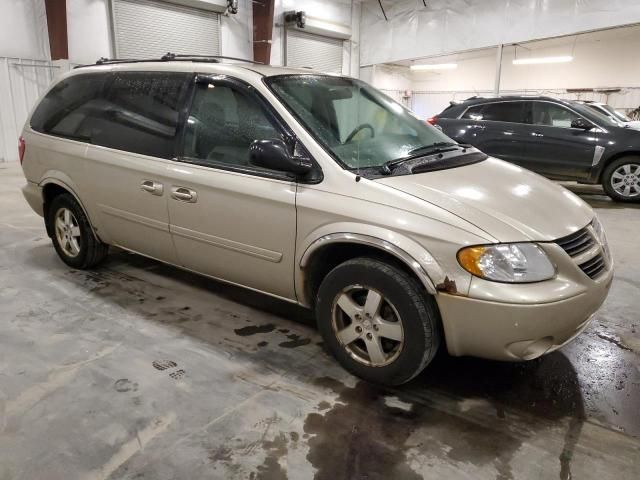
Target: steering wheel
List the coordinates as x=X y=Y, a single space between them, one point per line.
x=358 y=128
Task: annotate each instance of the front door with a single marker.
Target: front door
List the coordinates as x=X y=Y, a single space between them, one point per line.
x=553 y=147
x=229 y=219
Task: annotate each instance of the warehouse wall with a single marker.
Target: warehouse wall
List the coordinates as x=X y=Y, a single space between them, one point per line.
x=444 y=26
x=394 y=81
x=345 y=12
x=606 y=59
x=24 y=67
x=88 y=28
x=610 y=58
x=90 y=32
x=23 y=29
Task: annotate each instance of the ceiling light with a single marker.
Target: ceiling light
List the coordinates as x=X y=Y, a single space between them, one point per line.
x=434 y=66
x=539 y=60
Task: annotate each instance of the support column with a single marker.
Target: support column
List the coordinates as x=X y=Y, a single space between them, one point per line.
x=262 y=30
x=496 y=88
x=57 y=26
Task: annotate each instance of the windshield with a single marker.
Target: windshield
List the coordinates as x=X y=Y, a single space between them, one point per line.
x=617 y=114
x=359 y=125
x=594 y=113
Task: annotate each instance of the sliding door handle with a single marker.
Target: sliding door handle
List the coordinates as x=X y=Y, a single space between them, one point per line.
x=154 y=188
x=184 y=194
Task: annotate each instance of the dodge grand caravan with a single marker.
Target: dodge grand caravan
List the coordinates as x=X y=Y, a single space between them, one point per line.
x=318 y=190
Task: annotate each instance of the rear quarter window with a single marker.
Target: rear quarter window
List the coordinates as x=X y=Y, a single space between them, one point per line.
x=512 y=112
x=67 y=106
x=452 y=111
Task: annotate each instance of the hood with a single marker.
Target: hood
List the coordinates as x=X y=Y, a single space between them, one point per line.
x=508 y=202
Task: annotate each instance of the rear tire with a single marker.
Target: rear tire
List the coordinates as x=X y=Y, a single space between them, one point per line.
x=377 y=321
x=621 y=179
x=72 y=235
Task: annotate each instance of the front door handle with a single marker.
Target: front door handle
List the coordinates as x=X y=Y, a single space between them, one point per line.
x=536 y=134
x=184 y=194
x=154 y=188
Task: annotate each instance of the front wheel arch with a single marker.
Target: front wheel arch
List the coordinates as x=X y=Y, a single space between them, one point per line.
x=331 y=250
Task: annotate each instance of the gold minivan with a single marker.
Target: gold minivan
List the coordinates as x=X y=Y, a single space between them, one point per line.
x=319 y=190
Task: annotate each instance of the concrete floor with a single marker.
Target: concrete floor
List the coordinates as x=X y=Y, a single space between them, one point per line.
x=142 y=371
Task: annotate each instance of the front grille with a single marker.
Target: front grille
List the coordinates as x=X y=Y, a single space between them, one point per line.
x=594 y=266
x=580 y=242
x=577 y=242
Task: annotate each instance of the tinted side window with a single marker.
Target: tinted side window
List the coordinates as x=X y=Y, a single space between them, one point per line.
x=68 y=106
x=504 y=112
x=140 y=111
x=222 y=124
x=551 y=115
x=474 y=113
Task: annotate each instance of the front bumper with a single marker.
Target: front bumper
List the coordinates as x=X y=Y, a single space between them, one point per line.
x=527 y=327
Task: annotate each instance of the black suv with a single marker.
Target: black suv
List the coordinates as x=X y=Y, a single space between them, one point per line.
x=560 y=139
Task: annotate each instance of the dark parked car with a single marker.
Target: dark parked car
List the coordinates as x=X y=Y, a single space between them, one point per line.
x=560 y=139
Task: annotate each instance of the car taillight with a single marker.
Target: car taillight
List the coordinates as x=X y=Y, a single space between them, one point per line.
x=432 y=120
x=21 y=148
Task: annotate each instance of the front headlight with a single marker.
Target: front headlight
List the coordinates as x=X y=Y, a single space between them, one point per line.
x=602 y=237
x=509 y=263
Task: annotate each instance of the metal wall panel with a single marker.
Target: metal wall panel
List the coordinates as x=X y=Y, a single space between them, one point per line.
x=149 y=29
x=22 y=82
x=417 y=30
x=314 y=51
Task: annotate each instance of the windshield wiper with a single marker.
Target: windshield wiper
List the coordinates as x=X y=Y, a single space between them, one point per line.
x=437 y=147
x=433 y=146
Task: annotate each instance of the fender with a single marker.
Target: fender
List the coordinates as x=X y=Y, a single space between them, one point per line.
x=409 y=252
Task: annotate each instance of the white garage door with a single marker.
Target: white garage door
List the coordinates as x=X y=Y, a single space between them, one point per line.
x=315 y=51
x=149 y=29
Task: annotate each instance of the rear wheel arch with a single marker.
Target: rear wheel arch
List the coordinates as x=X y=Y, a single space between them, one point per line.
x=613 y=158
x=615 y=164
x=52 y=188
x=329 y=251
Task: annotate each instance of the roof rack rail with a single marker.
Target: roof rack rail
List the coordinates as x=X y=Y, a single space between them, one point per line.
x=174 y=56
x=170 y=57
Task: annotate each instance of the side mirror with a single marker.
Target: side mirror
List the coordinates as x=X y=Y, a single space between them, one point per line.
x=274 y=155
x=582 y=124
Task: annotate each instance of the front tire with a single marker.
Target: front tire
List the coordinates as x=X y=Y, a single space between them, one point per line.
x=377 y=321
x=621 y=179
x=72 y=235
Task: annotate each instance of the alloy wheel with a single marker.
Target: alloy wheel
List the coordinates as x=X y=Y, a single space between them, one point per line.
x=625 y=180
x=367 y=325
x=68 y=232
